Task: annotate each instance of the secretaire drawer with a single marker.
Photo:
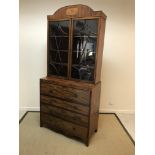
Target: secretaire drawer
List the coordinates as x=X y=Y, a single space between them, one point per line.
x=67 y=93
x=65 y=104
x=64 y=127
x=65 y=114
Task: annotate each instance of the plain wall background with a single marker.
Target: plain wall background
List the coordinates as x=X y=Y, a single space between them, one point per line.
x=117 y=76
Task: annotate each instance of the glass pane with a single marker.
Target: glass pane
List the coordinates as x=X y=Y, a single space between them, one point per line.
x=84 y=48
x=58 y=41
x=85 y=27
x=58 y=28
x=57 y=69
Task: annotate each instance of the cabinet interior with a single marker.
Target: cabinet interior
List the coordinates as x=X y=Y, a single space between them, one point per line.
x=72 y=48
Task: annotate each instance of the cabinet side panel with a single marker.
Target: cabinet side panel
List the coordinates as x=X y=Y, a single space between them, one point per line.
x=41 y=124
x=94 y=109
x=97 y=102
x=100 y=49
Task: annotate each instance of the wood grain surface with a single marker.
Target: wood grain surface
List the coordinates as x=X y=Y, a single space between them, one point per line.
x=67 y=105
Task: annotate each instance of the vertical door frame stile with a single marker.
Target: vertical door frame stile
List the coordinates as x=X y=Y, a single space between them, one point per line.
x=71 y=48
x=97 y=48
x=47 y=47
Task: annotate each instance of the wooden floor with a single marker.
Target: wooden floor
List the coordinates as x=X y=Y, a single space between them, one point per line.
x=111 y=139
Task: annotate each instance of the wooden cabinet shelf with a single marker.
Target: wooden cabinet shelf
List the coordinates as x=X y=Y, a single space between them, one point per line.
x=70 y=93
x=58 y=50
x=58 y=36
x=58 y=63
x=85 y=36
x=77 y=65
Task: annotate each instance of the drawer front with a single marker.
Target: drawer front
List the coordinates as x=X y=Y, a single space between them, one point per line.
x=67 y=128
x=65 y=104
x=65 y=114
x=70 y=94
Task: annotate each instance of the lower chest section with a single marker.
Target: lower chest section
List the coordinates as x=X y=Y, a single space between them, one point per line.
x=66 y=109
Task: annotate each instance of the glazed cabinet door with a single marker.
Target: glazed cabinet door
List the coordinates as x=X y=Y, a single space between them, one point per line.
x=58 y=48
x=84 y=44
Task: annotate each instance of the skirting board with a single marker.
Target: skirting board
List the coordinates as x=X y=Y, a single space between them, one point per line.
x=29 y=108
x=121 y=111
